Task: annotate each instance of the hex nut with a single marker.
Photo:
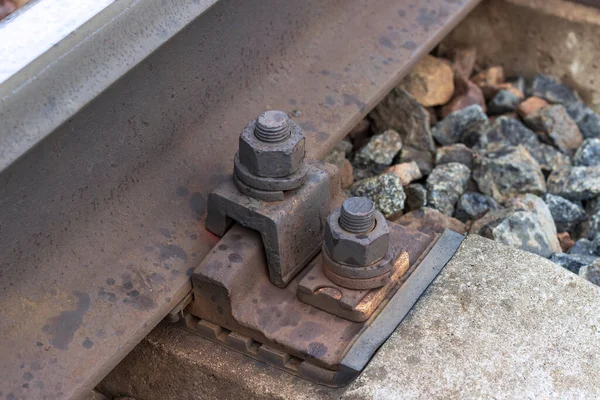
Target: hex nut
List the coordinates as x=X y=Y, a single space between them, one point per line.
x=275 y=159
x=360 y=249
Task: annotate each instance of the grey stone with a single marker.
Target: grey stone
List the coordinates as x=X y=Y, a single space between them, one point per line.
x=416 y=196
x=548 y=157
x=507 y=130
x=338 y=154
x=507 y=172
x=556 y=127
x=552 y=90
x=592 y=206
x=513 y=131
x=566 y=214
x=575 y=183
x=403 y=113
x=445 y=185
x=460 y=126
x=596 y=246
x=591 y=227
x=379 y=153
x=586 y=119
x=588 y=154
x=582 y=247
x=473 y=205
x=526 y=224
x=424 y=159
x=454 y=153
x=384 y=190
x=503 y=102
x=572 y=262
x=591 y=272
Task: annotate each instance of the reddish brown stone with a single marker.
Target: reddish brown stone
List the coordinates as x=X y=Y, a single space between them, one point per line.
x=565 y=241
x=490 y=81
x=431 y=81
x=346 y=174
x=429 y=220
x=530 y=106
x=466 y=94
x=489 y=77
x=407 y=172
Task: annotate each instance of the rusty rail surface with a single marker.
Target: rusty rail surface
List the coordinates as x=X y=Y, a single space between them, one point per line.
x=102 y=221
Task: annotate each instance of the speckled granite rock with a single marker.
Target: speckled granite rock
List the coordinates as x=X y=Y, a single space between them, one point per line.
x=526 y=223
x=416 y=196
x=575 y=183
x=504 y=101
x=379 y=153
x=588 y=154
x=572 y=262
x=473 y=205
x=591 y=272
x=551 y=89
x=445 y=185
x=429 y=220
x=454 y=153
x=556 y=127
x=384 y=190
x=566 y=214
x=459 y=125
x=508 y=172
x=586 y=119
x=401 y=112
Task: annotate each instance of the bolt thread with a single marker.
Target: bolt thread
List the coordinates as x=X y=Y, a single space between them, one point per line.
x=272 y=126
x=357 y=215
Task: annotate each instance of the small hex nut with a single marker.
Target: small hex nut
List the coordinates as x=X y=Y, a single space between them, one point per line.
x=272 y=160
x=356 y=249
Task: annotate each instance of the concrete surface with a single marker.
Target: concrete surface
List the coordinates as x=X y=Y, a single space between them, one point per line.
x=556 y=37
x=497 y=323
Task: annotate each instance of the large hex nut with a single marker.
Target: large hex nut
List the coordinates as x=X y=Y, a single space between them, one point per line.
x=273 y=160
x=354 y=249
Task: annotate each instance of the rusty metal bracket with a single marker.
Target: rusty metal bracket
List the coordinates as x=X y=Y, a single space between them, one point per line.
x=236 y=305
x=291 y=230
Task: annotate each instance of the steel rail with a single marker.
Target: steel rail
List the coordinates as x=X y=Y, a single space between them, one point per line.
x=101 y=216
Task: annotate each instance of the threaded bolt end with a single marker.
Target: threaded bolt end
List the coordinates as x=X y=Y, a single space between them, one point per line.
x=357 y=215
x=272 y=126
